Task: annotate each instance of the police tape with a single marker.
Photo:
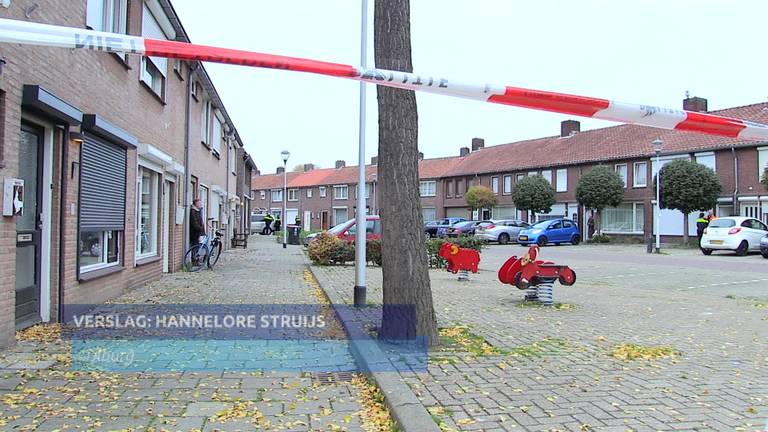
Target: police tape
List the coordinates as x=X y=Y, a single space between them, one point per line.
x=14 y=31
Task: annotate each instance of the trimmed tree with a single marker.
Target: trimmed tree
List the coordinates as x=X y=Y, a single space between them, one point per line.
x=535 y=194
x=404 y=258
x=480 y=197
x=599 y=188
x=688 y=186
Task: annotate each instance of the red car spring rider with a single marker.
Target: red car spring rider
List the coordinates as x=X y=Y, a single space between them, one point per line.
x=459 y=259
x=537 y=278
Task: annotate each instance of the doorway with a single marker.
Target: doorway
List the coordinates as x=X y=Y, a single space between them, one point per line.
x=168 y=216
x=29 y=227
x=324 y=220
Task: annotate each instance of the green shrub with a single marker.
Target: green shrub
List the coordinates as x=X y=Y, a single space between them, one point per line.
x=600 y=238
x=434 y=245
x=327 y=249
x=373 y=251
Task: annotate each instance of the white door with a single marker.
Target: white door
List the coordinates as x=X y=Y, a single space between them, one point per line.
x=307 y=220
x=166 y=226
x=292 y=215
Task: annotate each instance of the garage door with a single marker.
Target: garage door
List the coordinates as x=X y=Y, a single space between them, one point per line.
x=558 y=211
x=429 y=214
x=461 y=212
x=504 y=212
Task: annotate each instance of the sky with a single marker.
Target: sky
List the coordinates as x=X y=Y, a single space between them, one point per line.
x=638 y=51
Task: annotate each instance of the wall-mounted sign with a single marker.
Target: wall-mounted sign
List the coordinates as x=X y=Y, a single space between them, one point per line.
x=13 y=197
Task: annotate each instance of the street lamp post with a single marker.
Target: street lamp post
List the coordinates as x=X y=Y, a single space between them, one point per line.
x=285 y=154
x=360 y=219
x=657 y=149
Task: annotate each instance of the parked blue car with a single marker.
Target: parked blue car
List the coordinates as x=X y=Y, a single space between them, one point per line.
x=550 y=231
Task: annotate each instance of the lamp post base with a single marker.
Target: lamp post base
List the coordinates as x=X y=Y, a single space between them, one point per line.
x=359 y=296
x=284 y=246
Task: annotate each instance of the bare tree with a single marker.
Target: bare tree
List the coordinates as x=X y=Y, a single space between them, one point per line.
x=404 y=256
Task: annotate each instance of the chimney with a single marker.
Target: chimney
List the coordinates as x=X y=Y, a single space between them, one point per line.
x=477 y=144
x=695 y=103
x=463 y=151
x=421 y=155
x=340 y=164
x=569 y=127
x=375 y=160
x=308 y=167
x=280 y=170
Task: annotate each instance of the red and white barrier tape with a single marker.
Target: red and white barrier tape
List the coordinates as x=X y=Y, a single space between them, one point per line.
x=13 y=31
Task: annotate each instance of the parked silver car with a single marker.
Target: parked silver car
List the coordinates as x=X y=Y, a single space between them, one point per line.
x=257 y=223
x=502 y=231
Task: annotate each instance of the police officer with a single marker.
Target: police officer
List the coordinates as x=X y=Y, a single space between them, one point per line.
x=701 y=224
x=267 y=225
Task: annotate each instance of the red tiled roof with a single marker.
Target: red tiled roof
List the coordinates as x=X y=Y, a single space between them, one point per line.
x=611 y=143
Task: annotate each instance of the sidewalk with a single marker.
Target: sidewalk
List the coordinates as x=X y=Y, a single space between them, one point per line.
x=39 y=392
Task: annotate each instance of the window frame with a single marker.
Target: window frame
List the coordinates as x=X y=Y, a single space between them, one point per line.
x=635 y=170
x=280 y=194
x=507 y=188
x=562 y=186
x=431 y=188
x=547 y=177
x=625 y=177
x=295 y=193
x=449 y=188
x=154 y=189
x=322 y=191
x=205 y=123
x=263 y=194
x=495 y=184
x=104 y=253
x=308 y=192
x=634 y=220
x=337 y=189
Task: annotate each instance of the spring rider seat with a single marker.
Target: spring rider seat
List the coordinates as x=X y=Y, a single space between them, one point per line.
x=537 y=278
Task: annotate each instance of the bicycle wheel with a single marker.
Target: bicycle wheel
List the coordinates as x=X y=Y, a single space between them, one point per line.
x=213 y=258
x=195 y=258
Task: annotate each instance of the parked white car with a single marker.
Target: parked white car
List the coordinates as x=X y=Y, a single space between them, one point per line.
x=502 y=231
x=739 y=234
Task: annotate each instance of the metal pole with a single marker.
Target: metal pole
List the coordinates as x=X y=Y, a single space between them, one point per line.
x=285 y=197
x=359 y=291
x=658 y=202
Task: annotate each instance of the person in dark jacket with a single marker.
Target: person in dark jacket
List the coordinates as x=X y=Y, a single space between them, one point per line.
x=267 y=225
x=277 y=224
x=701 y=224
x=196 y=223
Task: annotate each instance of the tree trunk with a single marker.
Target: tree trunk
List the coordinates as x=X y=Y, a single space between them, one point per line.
x=599 y=222
x=685 y=229
x=404 y=256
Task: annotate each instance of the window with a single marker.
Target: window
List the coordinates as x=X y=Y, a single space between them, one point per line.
x=368 y=190
x=562 y=180
x=154 y=70
x=707 y=159
x=322 y=191
x=107 y=15
x=232 y=159
x=495 y=184
x=204 y=198
x=429 y=214
x=178 y=68
x=627 y=218
x=547 y=174
x=196 y=91
x=293 y=194
x=309 y=192
x=448 y=190
x=205 y=123
x=762 y=161
x=340 y=192
x=621 y=170
x=148 y=189
x=217 y=134
x=507 y=184
x=99 y=249
x=427 y=188
x=460 y=187
x=263 y=195
x=641 y=174
x=532 y=173
x=277 y=195
x=340 y=215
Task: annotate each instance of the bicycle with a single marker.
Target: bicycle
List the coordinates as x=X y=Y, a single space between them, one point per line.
x=201 y=254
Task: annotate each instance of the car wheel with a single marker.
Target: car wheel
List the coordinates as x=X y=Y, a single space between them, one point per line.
x=503 y=238
x=575 y=240
x=542 y=241
x=765 y=255
x=427 y=235
x=743 y=248
x=706 y=251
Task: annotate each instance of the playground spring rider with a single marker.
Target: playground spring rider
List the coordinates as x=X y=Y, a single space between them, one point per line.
x=537 y=278
x=460 y=259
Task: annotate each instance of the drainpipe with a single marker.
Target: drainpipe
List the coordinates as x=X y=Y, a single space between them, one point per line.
x=735 y=179
x=230 y=228
x=187 y=171
x=62 y=213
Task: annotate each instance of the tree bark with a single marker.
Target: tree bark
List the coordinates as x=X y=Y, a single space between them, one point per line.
x=408 y=310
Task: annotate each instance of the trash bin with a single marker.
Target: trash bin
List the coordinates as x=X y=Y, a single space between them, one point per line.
x=293 y=234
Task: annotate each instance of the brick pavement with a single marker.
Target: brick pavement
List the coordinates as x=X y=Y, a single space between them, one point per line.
x=38 y=391
x=560 y=375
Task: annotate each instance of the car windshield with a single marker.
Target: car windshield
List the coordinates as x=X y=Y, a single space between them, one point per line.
x=541 y=225
x=338 y=228
x=722 y=223
x=464 y=224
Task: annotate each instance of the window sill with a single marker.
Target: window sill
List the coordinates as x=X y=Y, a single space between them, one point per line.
x=152 y=92
x=122 y=60
x=147 y=260
x=102 y=272
x=178 y=74
x=639 y=186
x=205 y=144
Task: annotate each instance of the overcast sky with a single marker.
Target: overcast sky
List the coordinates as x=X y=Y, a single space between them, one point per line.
x=639 y=51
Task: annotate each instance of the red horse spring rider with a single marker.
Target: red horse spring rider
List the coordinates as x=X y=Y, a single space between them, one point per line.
x=460 y=259
x=537 y=278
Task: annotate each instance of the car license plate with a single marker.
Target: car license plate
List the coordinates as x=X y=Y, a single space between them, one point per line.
x=523 y=237
x=716 y=242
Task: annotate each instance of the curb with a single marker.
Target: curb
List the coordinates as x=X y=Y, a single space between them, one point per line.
x=404 y=406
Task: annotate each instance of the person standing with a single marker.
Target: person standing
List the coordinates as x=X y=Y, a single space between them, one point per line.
x=701 y=225
x=591 y=225
x=267 y=225
x=297 y=221
x=196 y=224
x=277 y=224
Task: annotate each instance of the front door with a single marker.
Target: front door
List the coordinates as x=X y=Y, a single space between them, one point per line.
x=324 y=220
x=307 y=220
x=28 y=228
x=166 y=211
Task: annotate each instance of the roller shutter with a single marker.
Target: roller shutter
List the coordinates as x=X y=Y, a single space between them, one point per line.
x=102 y=185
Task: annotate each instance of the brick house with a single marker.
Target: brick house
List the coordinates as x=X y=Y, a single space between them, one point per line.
x=108 y=147
x=564 y=158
